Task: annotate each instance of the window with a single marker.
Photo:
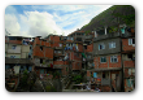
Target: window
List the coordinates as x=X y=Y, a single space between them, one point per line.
x=112 y=45
x=29 y=56
x=130 y=56
x=85 y=47
x=101 y=46
x=71 y=38
x=41 y=48
x=76 y=54
x=113 y=59
x=102 y=59
x=41 y=60
x=103 y=75
x=131 y=41
x=60 y=45
x=12 y=56
x=14 y=47
x=55 y=51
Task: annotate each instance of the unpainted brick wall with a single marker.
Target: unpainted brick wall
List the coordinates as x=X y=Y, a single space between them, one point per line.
x=126 y=46
x=76 y=65
x=129 y=63
x=80 y=47
x=89 y=48
x=99 y=64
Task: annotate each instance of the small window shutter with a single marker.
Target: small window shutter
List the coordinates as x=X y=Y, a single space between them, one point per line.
x=105 y=59
x=98 y=47
x=114 y=45
x=130 y=41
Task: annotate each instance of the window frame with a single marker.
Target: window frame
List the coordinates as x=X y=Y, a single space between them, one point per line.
x=113 y=59
x=101 y=44
x=14 y=47
x=130 y=41
x=112 y=45
x=101 y=61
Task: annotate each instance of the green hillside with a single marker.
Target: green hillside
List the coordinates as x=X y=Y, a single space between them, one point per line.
x=115 y=15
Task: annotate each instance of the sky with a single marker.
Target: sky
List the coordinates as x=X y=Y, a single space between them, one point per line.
x=42 y=20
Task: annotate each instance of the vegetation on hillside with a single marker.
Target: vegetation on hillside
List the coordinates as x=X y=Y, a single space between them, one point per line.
x=113 y=16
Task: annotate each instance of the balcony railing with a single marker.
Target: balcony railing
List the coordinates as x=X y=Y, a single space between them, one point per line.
x=18 y=61
x=105 y=81
x=88 y=37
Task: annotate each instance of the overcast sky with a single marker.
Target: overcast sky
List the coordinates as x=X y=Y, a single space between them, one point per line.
x=39 y=20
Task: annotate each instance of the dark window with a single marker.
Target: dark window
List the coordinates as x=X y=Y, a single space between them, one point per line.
x=133 y=41
x=103 y=75
x=130 y=56
x=85 y=47
x=14 y=47
x=113 y=59
x=41 y=48
x=102 y=59
x=12 y=38
x=41 y=60
x=29 y=56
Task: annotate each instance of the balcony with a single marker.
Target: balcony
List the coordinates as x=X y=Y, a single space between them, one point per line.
x=59 y=54
x=89 y=59
x=18 y=61
x=89 y=37
x=108 y=36
x=105 y=81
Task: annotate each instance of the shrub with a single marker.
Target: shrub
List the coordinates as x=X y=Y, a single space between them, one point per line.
x=50 y=89
x=77 y=79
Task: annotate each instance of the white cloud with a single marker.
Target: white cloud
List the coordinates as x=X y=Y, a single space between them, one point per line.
x=12 y=25
x=32 y=24
x=41 y=23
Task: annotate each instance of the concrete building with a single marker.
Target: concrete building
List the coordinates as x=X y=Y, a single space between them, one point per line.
x=108 y=59
x=111 y=63
x=18 y=54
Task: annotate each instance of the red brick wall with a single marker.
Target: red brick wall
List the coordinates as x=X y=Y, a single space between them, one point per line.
x=98 y=64
x=89 y=48
x=105 y=88
x=118 y=64
x=80 y=47
x=37 y=41
x=15 y=41
x=65 y=70
x=49 y=52
x=78 y=58
x=88 y=73
x=38 y=52
x=56 y=39
x=55 y=44
x=76 y=66
x=126 y=72
x=47 y=44
x=71 y=55
x=42 y=42
x=129 y=63
x=60 y=63
x=125 y=45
